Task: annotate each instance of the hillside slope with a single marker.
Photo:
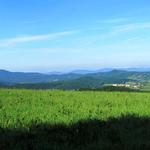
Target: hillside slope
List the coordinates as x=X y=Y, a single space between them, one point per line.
x=71 y=80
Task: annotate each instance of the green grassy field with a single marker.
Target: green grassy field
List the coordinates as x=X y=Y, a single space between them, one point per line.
x=146 y=87
x=72 y=120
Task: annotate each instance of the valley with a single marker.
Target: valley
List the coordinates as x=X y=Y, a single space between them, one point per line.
x=74 y=81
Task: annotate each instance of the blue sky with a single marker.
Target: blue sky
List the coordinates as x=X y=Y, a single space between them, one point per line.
x=62 y=35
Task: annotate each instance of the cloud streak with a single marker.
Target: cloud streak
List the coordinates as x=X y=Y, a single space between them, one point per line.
x=120 y=32
x=33 y=38
x=132 y=26
x=125 y=28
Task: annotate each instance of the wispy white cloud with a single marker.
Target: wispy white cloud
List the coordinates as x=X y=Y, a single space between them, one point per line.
x=125 y=28
x=33 y=38
x=132 y=26
x=124 y=24
x=126 y=31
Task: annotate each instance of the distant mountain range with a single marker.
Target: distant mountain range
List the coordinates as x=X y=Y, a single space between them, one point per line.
x=111 y=69
x=8 y=77
x=74 y=80
x=101 y=70
x=91 y=71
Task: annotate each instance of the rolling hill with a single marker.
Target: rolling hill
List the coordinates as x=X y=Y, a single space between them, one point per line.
x=71 y=80
x=10 y=78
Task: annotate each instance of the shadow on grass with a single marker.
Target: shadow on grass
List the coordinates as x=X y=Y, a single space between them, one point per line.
x=124 y=133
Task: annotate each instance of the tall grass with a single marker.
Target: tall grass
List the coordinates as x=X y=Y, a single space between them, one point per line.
x=73 y=120
x=21 y=107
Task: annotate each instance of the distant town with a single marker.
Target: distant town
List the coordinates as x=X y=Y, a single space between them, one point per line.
x=134 y=86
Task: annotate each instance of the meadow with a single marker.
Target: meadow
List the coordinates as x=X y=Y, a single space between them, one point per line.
x=74 y=120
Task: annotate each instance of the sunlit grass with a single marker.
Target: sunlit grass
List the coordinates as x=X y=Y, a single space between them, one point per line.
x=19 y=108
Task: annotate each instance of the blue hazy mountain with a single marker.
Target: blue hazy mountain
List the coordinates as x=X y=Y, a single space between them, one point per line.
x=138 y=69
x=21 y=77
x=92 y=71
x=74 y=80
